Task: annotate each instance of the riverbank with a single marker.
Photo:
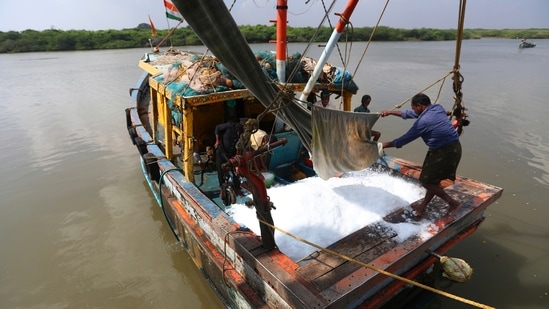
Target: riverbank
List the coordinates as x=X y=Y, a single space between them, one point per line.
x=140 y=36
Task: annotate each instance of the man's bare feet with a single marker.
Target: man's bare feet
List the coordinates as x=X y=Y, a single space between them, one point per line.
x=418 y=208
x=453 y=208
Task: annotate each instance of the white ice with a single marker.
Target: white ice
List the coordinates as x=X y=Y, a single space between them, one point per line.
x=323 y=211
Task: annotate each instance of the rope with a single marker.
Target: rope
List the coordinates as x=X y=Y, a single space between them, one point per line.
x=422 y=90
x=160 y=181
x=313 y=38
x=458 y=107
x=169 y=33
x=348 y=48
x=225 y=259
x=458 y=78
x=379 y=270
x=344 y=60
x=370 y=39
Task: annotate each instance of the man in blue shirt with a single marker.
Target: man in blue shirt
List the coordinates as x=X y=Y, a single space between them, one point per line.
x=442 y=159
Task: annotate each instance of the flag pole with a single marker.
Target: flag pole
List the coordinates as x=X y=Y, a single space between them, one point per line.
x=169 y=33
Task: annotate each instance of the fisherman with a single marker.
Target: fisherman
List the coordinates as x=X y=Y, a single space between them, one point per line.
x=363 y=108
x=226 y=138
x=442 y=159
x=325 y=100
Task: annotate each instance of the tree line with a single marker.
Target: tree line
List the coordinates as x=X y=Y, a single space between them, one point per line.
x=140 y=36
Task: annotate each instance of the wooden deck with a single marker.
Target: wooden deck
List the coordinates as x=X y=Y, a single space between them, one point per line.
x=376 y=245
x=325 y=269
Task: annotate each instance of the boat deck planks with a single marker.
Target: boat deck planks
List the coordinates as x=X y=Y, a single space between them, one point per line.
x=325 y=269
x=363 y=245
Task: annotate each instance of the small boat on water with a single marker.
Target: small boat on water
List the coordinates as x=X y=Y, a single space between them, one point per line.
x=525 y=44
x=175 y=107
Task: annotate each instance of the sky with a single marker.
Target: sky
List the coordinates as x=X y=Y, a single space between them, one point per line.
x=122 y=14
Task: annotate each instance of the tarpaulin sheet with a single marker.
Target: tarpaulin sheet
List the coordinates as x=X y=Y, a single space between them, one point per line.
x=341 y=141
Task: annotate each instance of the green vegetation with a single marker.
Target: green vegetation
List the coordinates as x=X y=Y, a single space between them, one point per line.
x=59 y=40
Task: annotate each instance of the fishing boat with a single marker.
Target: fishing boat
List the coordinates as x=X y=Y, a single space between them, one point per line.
x=526 y=44
x=175 y=107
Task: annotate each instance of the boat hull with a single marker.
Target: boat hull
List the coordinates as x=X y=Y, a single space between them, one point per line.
x=245 y=275
x=527 y=45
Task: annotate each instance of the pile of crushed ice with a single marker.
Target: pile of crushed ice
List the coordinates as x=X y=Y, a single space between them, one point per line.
x=323 y=211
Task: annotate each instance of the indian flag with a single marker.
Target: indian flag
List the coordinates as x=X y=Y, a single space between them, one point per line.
x=171 y=11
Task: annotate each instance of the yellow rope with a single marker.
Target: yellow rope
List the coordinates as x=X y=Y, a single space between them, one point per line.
x=379 y=270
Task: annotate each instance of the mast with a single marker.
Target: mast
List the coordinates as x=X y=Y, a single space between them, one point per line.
x=281 y=45
x=343 y=18
x=281 y=41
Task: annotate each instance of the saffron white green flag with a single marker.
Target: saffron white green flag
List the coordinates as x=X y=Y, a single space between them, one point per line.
x=171 y=11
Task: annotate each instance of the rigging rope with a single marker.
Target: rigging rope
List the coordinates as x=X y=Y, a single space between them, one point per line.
x=344 y=60
x=458 y=110
x=168 y=35
x=285 y=96
x=399 y=105
x=371 y=37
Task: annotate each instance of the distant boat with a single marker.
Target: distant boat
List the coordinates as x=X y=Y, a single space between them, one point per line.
x=524 y=44
x=175 y=107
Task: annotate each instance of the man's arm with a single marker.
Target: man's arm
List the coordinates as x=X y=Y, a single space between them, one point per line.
x=402 y=114
x=385 y=113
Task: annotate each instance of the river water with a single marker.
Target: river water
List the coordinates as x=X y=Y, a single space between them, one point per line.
x=78 y=227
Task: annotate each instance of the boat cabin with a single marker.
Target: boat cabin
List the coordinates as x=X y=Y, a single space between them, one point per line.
x=183 y=121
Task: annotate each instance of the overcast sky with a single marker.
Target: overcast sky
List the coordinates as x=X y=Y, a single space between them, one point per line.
x=121 y=14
